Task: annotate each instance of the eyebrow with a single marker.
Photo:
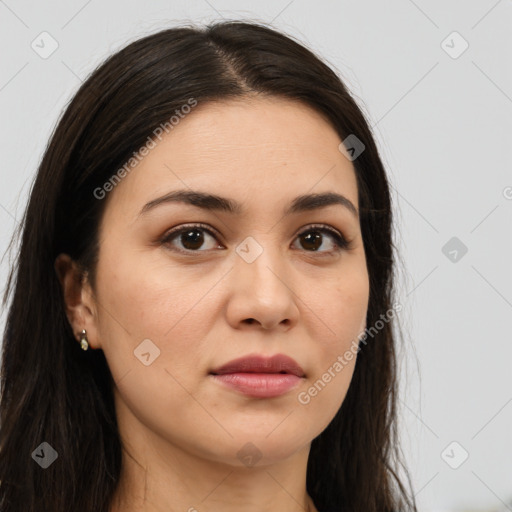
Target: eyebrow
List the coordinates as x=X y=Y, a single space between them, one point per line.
x=208 y=201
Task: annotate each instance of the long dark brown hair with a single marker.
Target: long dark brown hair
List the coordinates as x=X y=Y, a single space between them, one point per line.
x=51 y=391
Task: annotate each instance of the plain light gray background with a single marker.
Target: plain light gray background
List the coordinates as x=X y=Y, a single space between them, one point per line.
x=441 y=114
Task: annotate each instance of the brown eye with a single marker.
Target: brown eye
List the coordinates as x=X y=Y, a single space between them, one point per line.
x=313 y=239
x=190 y=239
x=193 y=238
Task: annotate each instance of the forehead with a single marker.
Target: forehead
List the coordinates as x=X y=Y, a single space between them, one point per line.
x=266 y=125
x=264 y=149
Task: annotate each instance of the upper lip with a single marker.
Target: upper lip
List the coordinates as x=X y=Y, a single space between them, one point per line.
x=279 y=363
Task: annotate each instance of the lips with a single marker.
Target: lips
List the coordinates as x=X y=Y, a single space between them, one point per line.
x=260 y=377
x=276 y=364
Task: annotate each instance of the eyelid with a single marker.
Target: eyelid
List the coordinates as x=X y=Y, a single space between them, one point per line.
x=184 y=227
x=340 y=240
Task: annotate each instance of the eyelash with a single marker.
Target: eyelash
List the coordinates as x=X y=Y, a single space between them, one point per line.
x=340 y=242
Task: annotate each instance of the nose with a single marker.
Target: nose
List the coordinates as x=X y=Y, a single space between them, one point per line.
x=262 y=293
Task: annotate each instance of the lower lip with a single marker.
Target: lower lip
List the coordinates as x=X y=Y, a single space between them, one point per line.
x=259 y=385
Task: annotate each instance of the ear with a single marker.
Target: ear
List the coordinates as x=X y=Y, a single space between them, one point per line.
x=79 y=300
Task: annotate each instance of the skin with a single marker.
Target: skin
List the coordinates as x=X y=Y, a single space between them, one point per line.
x=181 y=430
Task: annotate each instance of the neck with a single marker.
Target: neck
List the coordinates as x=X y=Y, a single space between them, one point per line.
x=172 y=480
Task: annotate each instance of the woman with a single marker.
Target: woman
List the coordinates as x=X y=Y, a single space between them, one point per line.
x=206 y=247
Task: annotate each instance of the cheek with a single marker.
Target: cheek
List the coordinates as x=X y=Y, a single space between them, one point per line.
x=151 y=306
x=152 y=330
x=343 y=307
x=146 y=293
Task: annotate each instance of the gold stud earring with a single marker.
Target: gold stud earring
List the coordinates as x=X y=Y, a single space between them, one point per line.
x=83 y=340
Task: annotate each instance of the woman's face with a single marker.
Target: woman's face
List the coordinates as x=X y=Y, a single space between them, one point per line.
x=249 y=282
